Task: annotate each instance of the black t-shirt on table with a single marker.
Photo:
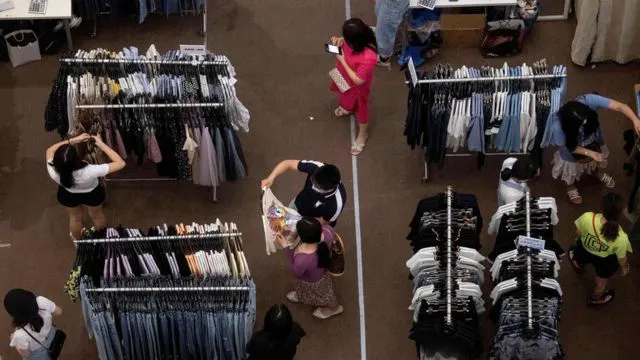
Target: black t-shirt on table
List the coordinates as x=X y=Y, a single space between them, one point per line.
x=311 y=203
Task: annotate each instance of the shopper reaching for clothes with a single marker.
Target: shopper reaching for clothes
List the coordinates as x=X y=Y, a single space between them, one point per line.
x=603 y=244
x=79 y=185
x=356 y=64
x=323 y=196
x=309 y=261
x=514 y=175
x=584 y=149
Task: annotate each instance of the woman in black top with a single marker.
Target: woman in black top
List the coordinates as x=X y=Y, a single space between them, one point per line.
x=279 y=337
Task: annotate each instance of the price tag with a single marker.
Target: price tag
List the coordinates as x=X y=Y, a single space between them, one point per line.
x=525 y=241
x=193 y=50
x=412 y=72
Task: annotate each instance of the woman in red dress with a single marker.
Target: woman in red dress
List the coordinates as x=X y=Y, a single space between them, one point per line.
x=356 y=64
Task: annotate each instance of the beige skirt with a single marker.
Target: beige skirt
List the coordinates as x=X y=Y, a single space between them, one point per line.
x=571 y=172
x=317 y=294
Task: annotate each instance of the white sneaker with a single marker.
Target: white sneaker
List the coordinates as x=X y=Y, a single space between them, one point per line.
x=75 y=21
x=58 y=26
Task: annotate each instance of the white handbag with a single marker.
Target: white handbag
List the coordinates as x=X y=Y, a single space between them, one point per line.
x=339 y=80
x=24 y=47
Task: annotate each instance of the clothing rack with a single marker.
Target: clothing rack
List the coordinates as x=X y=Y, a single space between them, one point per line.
x=466 y=76
x=158 y=238
x=158 y=289
x=137 y=106
x=529 y=275
x=145 y=61
x=449 y=265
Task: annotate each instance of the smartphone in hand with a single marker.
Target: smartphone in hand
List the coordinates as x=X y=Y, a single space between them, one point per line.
x=332 y=49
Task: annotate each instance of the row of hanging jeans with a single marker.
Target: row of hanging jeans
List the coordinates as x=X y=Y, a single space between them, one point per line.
x=509 y=115
x=90 y=9
x=173 y=319
x=180 y=292
x=509 y=222
x=434 y=335
x=194 y=140
x=517 y=336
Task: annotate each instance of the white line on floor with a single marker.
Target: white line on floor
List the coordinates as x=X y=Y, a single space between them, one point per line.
x=356 y=211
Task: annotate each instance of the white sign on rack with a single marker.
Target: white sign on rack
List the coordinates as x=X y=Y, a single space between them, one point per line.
x=530 y=242
x=412 y=72
x=193 y=50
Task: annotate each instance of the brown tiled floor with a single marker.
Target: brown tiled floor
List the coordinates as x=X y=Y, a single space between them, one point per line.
x=276 y=47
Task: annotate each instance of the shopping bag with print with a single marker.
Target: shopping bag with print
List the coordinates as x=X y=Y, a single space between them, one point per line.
x=277 y=219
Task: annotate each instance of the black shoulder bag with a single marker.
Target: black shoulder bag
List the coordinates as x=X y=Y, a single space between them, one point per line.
x=56 y=345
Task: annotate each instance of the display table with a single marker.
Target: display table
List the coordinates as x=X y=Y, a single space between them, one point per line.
x=56 y=9
x=466 y=3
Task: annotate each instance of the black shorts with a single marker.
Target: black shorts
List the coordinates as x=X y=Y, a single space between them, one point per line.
x=93 y=198
x=605 y=267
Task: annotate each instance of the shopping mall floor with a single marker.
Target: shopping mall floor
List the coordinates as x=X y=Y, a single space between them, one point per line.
x=276 y=48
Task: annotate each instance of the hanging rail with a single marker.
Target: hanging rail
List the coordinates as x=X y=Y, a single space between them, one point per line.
x=142 y=61
x=136 y=106
x=492 y=78
x=158 y=289
x=529 y=290
x=158 y=238
x=449 y=255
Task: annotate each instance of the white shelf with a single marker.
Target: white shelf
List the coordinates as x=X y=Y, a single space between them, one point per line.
x=56 y=9
x=466 y=3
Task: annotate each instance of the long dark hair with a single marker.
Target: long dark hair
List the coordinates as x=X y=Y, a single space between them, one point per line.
x=575 y=115
x=22 y=306
x=612 y=205
x=66 y=160
x=522 y=169
x=359 y=36
x=278 y=322
x=310 y=232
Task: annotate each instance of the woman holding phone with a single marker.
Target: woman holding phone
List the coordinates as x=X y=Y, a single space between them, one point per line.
x=356 y=63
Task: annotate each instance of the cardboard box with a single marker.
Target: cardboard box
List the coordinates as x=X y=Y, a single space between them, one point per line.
x=462 y=30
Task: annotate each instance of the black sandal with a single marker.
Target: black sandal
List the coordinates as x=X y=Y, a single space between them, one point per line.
x=606 y=298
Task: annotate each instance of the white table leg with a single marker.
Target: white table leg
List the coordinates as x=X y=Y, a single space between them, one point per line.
x=67 y=30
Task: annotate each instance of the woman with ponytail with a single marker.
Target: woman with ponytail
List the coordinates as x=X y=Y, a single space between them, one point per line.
x=513 y=179
x=309 y=261
x=603 y=244
x=79 y=187
x=279 y=337
x=32 y=321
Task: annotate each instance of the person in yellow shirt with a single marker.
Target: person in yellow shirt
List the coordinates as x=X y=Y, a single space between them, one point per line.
x=603 y=244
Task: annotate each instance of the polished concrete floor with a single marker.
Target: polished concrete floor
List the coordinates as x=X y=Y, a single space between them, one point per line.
x=276 y=48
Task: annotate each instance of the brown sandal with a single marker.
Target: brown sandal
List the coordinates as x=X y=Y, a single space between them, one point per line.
x=608 y=181
x=606 y=298
x=575 y=196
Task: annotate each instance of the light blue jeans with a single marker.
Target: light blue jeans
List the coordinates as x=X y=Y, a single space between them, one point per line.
x=389 y=14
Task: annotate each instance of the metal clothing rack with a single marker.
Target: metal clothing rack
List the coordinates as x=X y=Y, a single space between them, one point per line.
x=449 y=321
x=529 y=280
x=159 y=289
x=144 y=61
x=425 y=178
x=159 y=238
x=225 y=62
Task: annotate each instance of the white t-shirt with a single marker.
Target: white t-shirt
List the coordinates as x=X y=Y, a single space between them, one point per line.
x=85 y=179
x=21 y=340
x=511 y=190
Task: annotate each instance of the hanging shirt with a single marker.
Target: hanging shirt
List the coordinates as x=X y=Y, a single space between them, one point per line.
x=596 y=243
x=510 y=190
x=309 y=202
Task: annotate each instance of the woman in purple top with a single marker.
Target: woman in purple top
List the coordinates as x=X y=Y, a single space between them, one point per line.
x=309 y=261
x=584 y=149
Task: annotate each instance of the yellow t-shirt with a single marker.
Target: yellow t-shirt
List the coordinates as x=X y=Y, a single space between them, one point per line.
x=601 y=247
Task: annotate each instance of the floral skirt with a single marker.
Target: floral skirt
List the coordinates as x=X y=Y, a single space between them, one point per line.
x=317 y=294
x=571 y=172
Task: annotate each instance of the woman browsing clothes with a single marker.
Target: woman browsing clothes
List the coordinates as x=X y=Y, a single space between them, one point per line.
x=603 y=244
x=309 y=261
x=356 y=64
x=78 y=182
x=584 y=149
x=514 y=175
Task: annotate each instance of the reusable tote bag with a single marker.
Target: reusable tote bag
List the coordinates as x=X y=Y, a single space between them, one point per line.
x=277 y=219
x=22 y=46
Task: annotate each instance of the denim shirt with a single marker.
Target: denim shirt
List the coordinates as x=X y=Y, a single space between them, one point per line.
x=595 y=102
